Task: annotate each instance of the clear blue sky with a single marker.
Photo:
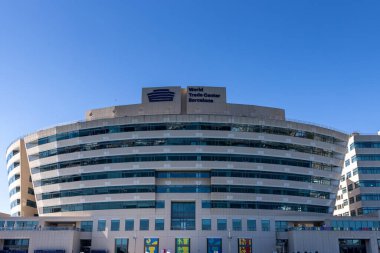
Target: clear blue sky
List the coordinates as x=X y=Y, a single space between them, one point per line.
x=317 y=59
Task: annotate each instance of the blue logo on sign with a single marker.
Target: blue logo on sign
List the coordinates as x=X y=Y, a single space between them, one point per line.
x=161 y=95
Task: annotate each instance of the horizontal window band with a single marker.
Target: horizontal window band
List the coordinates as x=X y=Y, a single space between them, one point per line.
x=95 y=176
x=264 y=205
x=183 y=189
x=185 y=174
x=365 y=144
x=181 y=142
x=185 y=126
x=183 y=157
x=104 y=206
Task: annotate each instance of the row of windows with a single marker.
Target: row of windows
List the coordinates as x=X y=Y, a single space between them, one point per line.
x=159 y=224
x=183 y=157
x=264 y=205
x=16 y=245
x=349 y=174
x=355 y=225
x=270 y=190
x=338 y=207
x=184 y=174
x=370 y=197
x=272 y=175
x=15 y=202
x=361 y=170
x=13 y=166
x=281 y=226
x=97 y=191
x=367 y=210
x=350 y=187
x=11 y=154
x=28 y=203
x=180 y=141
x=364 y=145
x=368 y=170
x=369 y=183
x=185 y=126
x=205 y=204
x=14 y=190
x=95 y=176
x=13 y=178
x=370 y=157
x=359 y=211
x=183 y=189
x=18 y=224
x=104 y=206
x=350 y=201
x=16 y=242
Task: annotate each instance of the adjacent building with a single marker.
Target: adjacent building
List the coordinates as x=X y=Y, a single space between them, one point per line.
x=184 y=171
x=359 y=189
x=21 y=191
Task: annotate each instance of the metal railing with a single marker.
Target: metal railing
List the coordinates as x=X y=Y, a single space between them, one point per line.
x=37 y=228
x=332 y=229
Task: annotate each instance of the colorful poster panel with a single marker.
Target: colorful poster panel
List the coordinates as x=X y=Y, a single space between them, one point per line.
x=214 y=245
x=245 y=245
x=182 y=245
x=150 y=245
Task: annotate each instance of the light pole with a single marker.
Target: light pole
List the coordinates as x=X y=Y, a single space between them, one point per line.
x=229 y=241
x=134 y=239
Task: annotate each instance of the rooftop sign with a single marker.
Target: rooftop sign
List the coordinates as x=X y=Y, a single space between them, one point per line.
x=160 y=95
x=199 y=94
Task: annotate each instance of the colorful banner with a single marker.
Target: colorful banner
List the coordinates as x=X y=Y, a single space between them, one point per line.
x=214 y=245
x=182 y=245
x=150 y=245
x=245 y=245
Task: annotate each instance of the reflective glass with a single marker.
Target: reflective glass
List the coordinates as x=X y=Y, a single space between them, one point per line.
x=115 y=225
x=101 y=225
x=183 y=216
x=129 y=225
x=206 y=224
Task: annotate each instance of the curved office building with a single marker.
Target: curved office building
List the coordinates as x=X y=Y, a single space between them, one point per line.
x=21 y=193
x=182 y=169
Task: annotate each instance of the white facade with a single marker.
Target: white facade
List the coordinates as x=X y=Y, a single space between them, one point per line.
x=359 y=190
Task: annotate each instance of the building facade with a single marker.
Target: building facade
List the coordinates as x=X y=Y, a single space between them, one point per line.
x=359 y=189
x=21 y=192
x=184 y=171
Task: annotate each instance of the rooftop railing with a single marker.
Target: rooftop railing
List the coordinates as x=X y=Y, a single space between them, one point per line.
x=332 y=229
x=39 y=228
